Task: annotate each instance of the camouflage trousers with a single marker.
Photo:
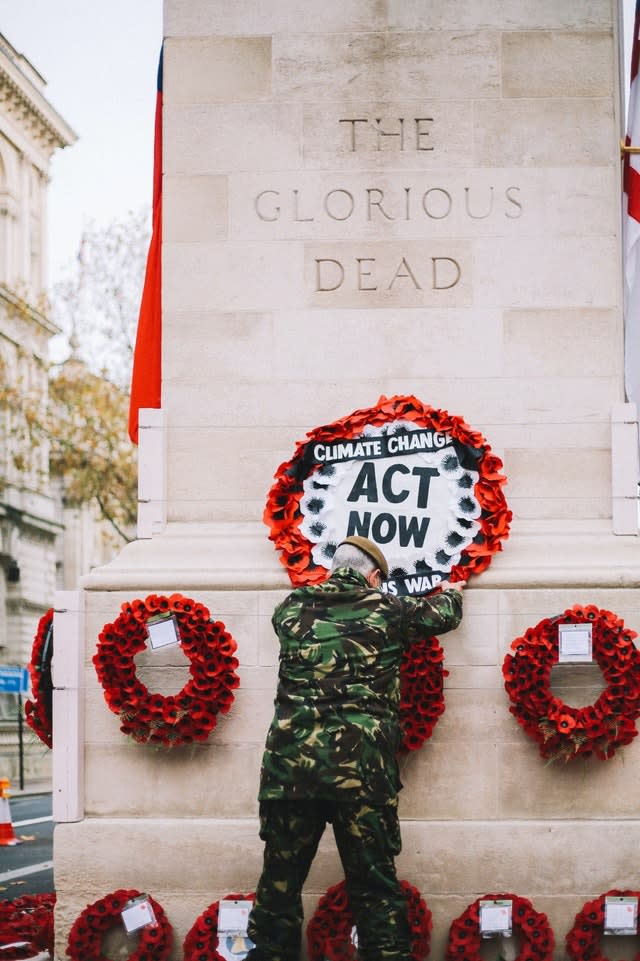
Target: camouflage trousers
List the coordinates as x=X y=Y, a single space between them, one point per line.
x=367 y=838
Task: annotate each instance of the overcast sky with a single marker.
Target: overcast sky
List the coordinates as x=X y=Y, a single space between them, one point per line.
x=100 y=62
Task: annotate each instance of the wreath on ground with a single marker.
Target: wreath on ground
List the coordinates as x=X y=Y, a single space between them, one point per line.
x=570 y=732
x=583 y=940
x=479 y=523
x=191 y=714
x=201 y=943
x=421 y=691
x=329 y=930
x=38 y=712
x=28 y=919
x=85 y=937
x=465 y=939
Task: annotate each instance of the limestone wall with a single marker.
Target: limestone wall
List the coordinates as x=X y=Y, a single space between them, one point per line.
x=364 y=199
x=453 y=174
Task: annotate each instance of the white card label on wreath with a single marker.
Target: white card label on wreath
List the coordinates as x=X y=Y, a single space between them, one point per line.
x=138 y=914
x=495 y=918
x=575 y=644
x=233 y=918
x=620 y=915
x=162 y=630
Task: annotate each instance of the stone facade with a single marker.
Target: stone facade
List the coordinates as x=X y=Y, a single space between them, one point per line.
x=30 y=131
x=365 y=199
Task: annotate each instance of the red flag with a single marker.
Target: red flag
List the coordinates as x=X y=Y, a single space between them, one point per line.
x=146 y=376
x=631 y=228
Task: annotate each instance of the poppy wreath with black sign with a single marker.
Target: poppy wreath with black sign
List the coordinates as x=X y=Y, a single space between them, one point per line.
x=329 y=930
x=465 y=938
x=283 y=515
x=38 y=712
x=192 y=713
x=85 y=937
x=583 y=940
x=566 y=732
x=201 y=943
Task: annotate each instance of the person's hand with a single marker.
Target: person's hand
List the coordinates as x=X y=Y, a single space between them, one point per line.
x=453 y=586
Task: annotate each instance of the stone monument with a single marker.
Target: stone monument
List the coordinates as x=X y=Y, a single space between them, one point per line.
x=365 y=199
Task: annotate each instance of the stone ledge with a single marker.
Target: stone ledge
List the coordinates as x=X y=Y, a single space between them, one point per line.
x=238 y=556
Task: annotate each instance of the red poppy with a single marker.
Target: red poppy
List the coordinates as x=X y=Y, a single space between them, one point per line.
x=566 y=723
x=170 y=711
x=157 y=604
x=139 y=609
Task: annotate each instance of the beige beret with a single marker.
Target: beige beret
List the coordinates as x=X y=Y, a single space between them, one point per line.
x=370 y=549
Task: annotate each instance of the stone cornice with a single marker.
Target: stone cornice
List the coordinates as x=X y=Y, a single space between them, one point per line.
x=238 y=556
x=21 y=97
x=13 y=302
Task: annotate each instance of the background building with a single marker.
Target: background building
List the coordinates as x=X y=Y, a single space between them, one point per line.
x=31 y=520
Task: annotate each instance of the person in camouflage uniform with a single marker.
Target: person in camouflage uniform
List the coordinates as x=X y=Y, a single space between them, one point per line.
x=331 y=750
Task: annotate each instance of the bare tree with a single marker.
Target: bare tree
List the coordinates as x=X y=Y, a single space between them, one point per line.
x=97 y=303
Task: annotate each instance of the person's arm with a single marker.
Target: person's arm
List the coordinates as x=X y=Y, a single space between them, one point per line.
x=435 y=614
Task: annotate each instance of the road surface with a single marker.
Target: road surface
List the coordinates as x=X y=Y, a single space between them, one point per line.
x=27 y=868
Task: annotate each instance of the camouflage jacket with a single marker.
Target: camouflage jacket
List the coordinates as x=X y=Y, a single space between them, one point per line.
x=335 y=733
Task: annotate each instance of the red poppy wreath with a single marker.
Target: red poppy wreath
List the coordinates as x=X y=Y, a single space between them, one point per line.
x=418 y=481
x=176 y=719
x=201 y=943
x=465 y=939
x=329 y=930
x=85 y=937
x=570 y=732
x=26 y=926
x=421 y=691
x=583 y=940
x=38 y=712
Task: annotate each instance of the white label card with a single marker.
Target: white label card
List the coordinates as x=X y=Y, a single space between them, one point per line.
x=138 y=914
x=162 y=631
x=495 y=917
x=233 y=916
x=620 y=915
x=574 y=643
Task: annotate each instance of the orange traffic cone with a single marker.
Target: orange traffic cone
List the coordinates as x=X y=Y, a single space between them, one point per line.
x=7 y=834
